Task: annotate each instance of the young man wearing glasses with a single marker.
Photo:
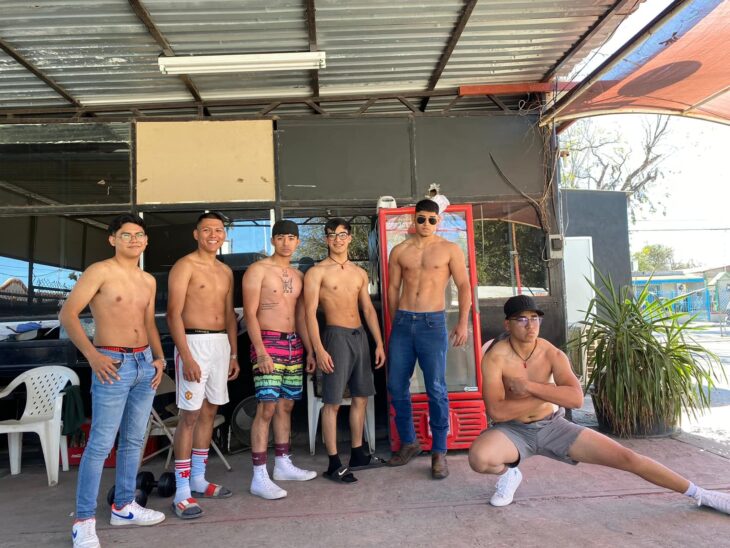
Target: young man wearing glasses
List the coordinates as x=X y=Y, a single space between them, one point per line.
x=126 y=361
x=275 y=321
x=527 y=383
x=203 y=325
x=421 y=267
x=340 y=288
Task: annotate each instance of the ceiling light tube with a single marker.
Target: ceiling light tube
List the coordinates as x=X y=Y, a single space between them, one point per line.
x=259 y=62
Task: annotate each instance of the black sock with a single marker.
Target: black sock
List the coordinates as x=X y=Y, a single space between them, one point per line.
x=335 y=463
x=358 y=457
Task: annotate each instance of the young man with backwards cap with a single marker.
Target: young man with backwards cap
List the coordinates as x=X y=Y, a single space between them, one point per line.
x=422 y=266
x=527 y=383
x=274 y=316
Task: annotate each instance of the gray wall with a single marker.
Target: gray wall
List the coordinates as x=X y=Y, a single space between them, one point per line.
x=360 y=160
x=603 y=215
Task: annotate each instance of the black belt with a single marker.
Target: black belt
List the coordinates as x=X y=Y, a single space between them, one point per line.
x=204 y=331
x=283 y=336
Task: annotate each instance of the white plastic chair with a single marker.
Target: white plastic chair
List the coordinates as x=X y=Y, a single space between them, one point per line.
x=315 y=405
x=157 y=426
x=42 y=415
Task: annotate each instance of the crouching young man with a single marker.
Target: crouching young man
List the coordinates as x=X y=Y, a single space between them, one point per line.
x=527 y=384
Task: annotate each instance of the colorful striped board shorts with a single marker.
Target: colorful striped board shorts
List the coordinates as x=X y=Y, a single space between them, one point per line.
x=287 y=352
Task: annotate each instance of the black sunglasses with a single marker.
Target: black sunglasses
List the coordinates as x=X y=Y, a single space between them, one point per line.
x=431 y=220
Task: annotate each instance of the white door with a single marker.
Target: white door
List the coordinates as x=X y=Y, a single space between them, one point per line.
x=577 y=263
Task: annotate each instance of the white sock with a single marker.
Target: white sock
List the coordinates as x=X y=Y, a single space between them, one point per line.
x=182 y=480
x=197 y=473
x=692 y=491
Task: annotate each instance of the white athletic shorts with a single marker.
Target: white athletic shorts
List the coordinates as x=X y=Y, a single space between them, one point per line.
x=212 y=351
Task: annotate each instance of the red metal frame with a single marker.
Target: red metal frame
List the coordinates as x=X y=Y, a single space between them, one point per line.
x=466 y=408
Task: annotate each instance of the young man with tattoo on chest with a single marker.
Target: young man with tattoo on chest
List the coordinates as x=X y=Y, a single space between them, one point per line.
x=527 y=383
x=421 y=266
x=340 y=288
x=126 y=361
x=203 y=325
x=275 y=321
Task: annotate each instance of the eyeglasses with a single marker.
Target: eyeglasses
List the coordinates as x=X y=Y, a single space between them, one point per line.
x=338 y=235
x=524 y=321
x=127 y=236
x=431 y=220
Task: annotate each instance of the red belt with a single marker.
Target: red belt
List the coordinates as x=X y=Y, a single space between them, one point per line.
x=125 y=349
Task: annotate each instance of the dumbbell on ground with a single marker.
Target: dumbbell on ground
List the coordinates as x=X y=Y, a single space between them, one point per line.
x=165 y=485
x=145 y=485
x=139 y=496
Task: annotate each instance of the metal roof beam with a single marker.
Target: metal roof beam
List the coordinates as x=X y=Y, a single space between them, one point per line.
x=7 y=48
x=221 y=103
x=446 y=55
x=514 y=89
x=312 y=31
x=144 y=15
x=583 y=40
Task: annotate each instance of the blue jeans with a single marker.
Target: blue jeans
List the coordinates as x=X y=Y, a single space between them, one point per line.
x=422 y=336
x=124 y=407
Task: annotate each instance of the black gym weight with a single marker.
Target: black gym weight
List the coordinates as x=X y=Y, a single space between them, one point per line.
x=146 y=484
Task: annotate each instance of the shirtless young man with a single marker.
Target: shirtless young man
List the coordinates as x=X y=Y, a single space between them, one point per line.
x=203 y=325
x=275 y=321
x=527 y=383
x=422 y=265
x=343 y=351
x=127 y=364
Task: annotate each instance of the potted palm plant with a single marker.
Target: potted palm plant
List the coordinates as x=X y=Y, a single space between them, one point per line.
x=646 y=367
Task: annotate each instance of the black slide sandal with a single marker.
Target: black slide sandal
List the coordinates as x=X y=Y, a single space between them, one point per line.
x=375 y=462
x=341 y=475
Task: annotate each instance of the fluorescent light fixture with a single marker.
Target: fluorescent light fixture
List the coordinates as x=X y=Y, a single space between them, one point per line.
x=259 y=62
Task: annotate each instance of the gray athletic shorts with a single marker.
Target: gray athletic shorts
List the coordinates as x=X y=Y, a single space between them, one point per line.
x=350 y=353
x=551 y=437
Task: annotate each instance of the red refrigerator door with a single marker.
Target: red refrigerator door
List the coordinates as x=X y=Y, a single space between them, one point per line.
x=463 y=375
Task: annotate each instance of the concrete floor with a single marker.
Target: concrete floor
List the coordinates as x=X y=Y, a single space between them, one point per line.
x=556 y=505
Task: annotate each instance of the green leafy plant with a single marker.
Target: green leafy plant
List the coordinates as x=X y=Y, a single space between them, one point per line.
x=646 y=366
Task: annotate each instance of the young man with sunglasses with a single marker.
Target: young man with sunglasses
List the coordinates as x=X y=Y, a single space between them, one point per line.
x=340 y=289
x=126 y=361
x=203 y=325
x=527 y=383
x=419 y=269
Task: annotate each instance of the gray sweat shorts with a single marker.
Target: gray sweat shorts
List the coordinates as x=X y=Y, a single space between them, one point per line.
x=550 y=437
x=350 y=353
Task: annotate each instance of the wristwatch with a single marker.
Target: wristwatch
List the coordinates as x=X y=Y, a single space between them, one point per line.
x=234 y=356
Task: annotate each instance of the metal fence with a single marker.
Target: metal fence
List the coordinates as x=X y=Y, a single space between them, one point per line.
x=697 y=302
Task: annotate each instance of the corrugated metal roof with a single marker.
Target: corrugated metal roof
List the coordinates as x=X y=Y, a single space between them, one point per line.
x=518 y=41
x=101 y=53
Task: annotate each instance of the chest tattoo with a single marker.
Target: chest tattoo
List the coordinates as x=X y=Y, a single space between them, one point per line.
x=288 y=282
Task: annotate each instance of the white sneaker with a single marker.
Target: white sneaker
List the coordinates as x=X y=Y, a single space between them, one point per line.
x=134 y=514
x=714 y=499
x=83 y=534
x=284 y=469
x=262 y=486
x=506 y=487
